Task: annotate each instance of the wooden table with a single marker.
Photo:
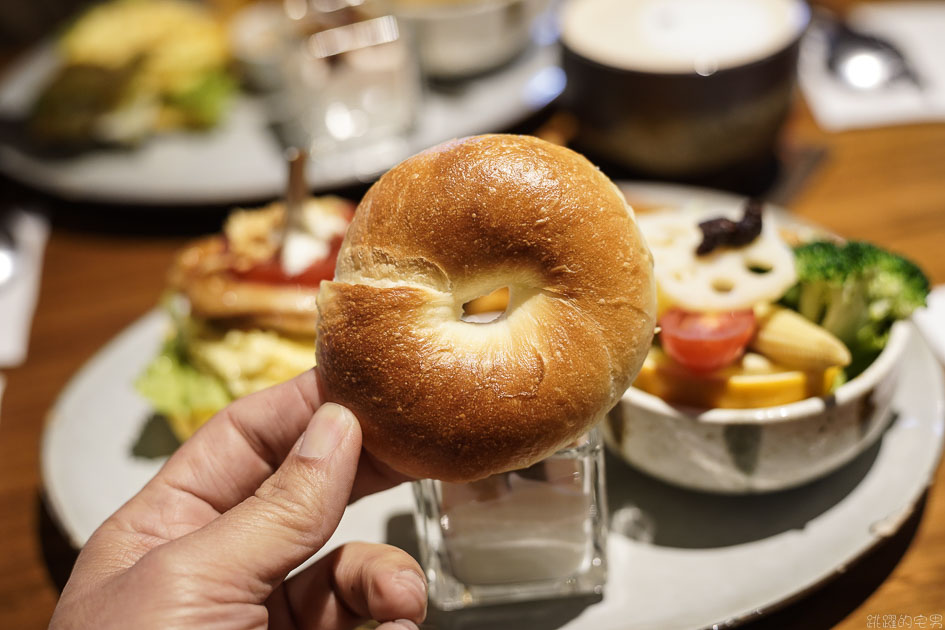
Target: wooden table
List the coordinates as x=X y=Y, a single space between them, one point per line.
x=885 y=185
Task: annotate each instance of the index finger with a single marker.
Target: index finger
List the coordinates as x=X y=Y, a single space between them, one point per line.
x=228 y=458
x=232 y=454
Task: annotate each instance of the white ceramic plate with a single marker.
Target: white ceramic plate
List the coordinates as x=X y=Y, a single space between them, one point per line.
x=678 y=559
x=242 y=159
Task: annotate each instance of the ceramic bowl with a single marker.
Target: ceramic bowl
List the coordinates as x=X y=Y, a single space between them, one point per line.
x=676 y=121
x=455 y=40
x=742 y=451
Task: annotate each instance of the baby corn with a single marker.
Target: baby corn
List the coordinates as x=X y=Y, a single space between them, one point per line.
x=789 y=339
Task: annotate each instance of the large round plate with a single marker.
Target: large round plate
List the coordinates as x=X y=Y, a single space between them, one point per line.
x=678 y=559
x=242 y=159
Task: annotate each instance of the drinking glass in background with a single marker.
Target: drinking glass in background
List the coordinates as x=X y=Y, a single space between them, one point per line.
x=340 y=76
x=532 y=534
x=457 y=39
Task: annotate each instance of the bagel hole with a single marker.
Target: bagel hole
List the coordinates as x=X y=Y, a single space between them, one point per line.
x=486 y=308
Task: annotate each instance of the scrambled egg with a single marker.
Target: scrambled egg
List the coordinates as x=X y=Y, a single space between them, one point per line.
x=202 y=369
x=249 y=360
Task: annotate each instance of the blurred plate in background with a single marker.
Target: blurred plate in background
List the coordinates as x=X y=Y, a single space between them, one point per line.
x=241 y=159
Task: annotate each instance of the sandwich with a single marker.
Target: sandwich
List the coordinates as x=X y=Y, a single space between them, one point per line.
x=242 y=308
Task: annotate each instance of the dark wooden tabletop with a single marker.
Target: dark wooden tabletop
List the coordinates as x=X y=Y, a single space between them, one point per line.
x=104 y=268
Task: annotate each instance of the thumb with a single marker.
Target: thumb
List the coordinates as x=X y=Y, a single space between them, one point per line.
x=254 y=545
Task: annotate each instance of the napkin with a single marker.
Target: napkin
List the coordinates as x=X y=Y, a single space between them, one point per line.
x=918 y=29
x=931 y=321
x=18 y=296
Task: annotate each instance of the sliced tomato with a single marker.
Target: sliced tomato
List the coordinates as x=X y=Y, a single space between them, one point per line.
x=271 y=271
x=706 y=341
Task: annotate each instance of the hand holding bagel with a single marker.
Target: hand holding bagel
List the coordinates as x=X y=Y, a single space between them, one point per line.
x=444 y=398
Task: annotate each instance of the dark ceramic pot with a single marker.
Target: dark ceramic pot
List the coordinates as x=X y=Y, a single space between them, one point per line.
x=681 y=124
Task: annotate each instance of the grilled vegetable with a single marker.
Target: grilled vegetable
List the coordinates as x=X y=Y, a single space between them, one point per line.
x=753 y=381
x=789 y=339
x=726 y=279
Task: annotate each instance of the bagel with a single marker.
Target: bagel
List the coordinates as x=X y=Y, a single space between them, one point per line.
x=444 y=398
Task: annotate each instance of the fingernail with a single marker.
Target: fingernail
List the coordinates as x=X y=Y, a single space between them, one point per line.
x=412 y=581
x=325 y=431
x=406 y=624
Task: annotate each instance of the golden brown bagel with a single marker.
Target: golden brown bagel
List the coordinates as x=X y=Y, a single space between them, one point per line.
x=448 y=399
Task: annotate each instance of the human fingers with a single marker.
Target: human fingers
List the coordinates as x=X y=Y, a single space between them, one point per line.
x=255 y=544
x=224 y=463
x=355 y=582
x=230 y=456
x=374 y=476
x=240 y=447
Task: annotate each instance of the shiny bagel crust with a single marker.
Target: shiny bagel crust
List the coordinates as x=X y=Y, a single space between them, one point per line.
x=447 y=399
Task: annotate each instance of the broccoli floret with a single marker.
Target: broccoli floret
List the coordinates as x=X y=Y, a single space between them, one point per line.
x=897 y=286
x=822 y=269
x=856 y=291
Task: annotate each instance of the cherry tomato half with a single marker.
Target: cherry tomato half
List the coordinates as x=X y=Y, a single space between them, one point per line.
x=271 y=271
x=706 y=341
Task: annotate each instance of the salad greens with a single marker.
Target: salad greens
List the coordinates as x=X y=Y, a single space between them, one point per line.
x=176 y=388
x=202 y=105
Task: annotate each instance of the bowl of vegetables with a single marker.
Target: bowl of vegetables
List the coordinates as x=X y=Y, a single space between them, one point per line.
x=778 y=346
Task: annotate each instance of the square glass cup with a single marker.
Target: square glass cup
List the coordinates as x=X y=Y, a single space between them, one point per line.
x=352 y=80
x=531 y=534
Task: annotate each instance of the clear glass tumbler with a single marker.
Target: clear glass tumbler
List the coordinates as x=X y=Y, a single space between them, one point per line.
x=531 y=534
x=352 y=78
